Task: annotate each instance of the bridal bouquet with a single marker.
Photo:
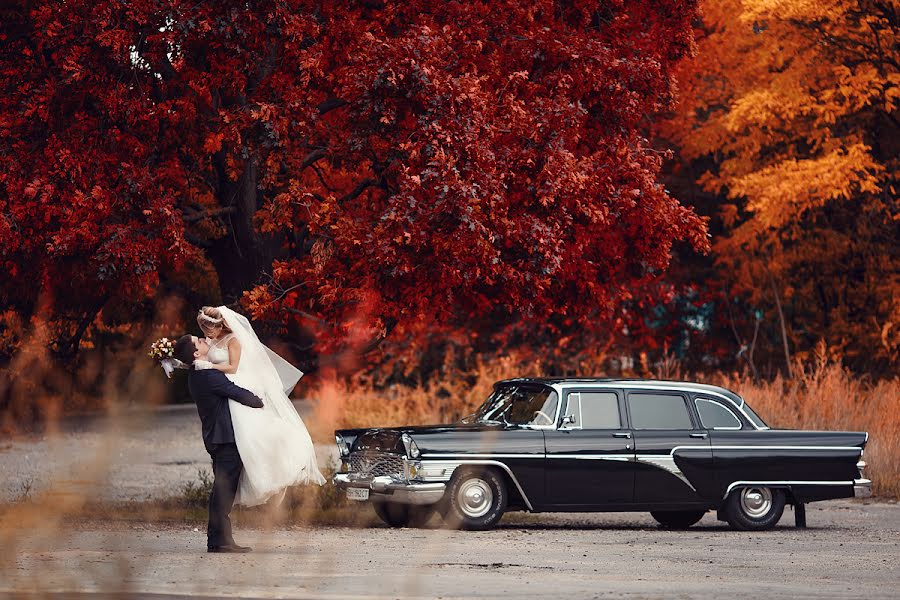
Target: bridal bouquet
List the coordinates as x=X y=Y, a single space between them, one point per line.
x=162 y=350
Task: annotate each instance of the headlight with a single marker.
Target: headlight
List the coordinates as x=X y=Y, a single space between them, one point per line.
x=412 y=450
x=342 y=445
x=413 y=469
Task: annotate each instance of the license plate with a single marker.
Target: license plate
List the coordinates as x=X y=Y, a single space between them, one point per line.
x=357 y=493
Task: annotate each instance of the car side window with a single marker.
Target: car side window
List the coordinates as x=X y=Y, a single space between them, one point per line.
x=593 y=410
x=533 y=406
x=715 y=415
x=658 y=411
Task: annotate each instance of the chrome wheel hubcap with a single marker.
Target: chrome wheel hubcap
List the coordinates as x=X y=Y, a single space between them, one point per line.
x=475 y=498
x=756 y=502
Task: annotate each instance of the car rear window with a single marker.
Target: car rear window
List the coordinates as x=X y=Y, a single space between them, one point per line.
x=658 y=411
x=714 y=415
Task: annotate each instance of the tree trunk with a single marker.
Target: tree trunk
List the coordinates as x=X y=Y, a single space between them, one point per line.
x=242 y=256
x=784 y=340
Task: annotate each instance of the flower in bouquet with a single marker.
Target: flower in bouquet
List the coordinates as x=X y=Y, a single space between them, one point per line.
x=163 y=350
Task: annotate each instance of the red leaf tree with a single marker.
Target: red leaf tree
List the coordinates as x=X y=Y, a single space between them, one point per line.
x=401 y=165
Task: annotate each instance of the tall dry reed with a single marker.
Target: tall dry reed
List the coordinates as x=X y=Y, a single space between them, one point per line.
x=361 y=404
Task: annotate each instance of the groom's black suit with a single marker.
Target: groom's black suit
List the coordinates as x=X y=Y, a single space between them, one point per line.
x=211 y=390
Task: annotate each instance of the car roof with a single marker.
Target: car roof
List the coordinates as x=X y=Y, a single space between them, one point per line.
x=684 y=385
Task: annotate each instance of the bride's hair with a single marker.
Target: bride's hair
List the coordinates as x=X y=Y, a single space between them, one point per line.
x=209 y=318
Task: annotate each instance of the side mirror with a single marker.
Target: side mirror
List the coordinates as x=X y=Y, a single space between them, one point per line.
x=568 y=420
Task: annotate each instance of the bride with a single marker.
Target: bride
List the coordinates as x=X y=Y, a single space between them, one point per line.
x=274 y=444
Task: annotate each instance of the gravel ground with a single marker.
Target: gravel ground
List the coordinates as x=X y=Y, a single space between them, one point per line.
x=850 y=550
x=137 y=455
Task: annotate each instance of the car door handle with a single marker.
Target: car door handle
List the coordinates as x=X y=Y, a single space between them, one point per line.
x=623 y=434
x=699 y=435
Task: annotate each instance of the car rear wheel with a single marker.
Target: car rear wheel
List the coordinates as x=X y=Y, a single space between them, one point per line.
x=475 y=500
x=677 y=519
x=754 y=508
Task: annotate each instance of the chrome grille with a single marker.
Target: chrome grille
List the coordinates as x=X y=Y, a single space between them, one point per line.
x=376 y=464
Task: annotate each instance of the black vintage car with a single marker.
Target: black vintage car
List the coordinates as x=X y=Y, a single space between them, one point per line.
x=674 y=449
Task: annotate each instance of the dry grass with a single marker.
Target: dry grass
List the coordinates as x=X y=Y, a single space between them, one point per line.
x=360 y=404
x=820 y=396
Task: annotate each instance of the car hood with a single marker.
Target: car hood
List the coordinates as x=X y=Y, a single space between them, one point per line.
x=389 y=439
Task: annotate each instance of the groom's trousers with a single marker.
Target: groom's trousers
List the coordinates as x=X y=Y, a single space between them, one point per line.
x=227 y=468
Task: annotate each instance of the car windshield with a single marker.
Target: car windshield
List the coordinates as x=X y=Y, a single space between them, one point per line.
x=519 y=405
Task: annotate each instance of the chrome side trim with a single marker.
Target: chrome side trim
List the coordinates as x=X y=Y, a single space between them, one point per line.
x=666 y=462
x=617 y=457
x=675 y=449
x=782 y=484
x=698 y=447
x=492 y=463
x=485 y=455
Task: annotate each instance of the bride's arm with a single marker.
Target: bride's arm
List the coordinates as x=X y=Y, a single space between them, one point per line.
x=234 y=357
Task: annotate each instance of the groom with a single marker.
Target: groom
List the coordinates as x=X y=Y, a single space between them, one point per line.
x=211 y=391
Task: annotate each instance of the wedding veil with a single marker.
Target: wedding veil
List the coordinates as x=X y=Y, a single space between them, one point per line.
x=260 y=366
x=243 y=331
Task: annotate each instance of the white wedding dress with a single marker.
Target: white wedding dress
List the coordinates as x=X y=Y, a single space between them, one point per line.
x=273 y=442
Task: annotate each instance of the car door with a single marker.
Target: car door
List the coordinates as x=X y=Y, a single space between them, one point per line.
x=590 y=454
x=725 y=428
x=672 y=453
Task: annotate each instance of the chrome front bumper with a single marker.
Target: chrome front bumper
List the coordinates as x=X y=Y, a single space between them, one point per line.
x=388 y=488
x=862 y=488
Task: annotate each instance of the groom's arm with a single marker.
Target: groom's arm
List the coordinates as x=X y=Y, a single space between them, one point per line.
x=224 y=388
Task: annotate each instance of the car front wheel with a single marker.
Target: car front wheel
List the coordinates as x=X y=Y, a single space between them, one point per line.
x=754 y=508
x=677 y=519
x=392 y=513
x=395 y=514
x=475 y=500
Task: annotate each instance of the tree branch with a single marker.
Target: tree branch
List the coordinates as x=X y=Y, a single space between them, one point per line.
x=306 y=315
x=313 y=157
x=285 y=292
x=331 y=104
x=209 y=213
x=359 y=189
x=321 y=177
x=784 y=339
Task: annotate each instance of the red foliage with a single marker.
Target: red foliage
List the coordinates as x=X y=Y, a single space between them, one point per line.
x=415 y=163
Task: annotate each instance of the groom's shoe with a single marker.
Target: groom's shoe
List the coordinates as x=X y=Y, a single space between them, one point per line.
x=230 y=548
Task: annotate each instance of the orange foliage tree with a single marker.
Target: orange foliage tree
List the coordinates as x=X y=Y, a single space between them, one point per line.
x=790 y=108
